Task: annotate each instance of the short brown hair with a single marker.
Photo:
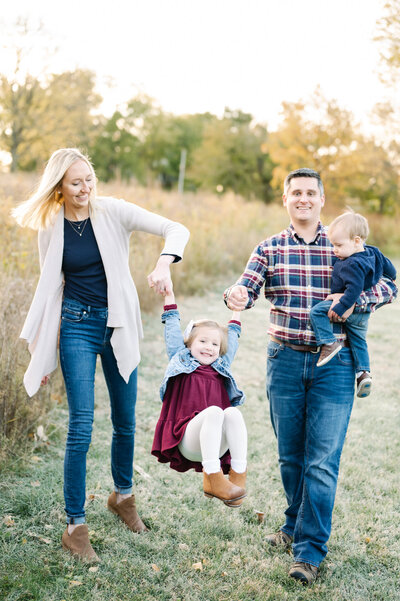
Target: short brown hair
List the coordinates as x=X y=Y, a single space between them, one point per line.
x=207 y=323
x=352 y=224
x=303 y=172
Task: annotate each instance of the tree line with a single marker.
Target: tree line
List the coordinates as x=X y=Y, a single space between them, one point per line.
x=141 y=142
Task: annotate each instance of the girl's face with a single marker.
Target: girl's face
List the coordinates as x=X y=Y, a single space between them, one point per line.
x=206 y=345
x=76 y=187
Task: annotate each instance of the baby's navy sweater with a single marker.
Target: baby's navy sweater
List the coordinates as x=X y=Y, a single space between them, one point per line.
x=359 y=272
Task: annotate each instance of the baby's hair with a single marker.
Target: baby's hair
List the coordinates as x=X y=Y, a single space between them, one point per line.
x=207 y=323
x=352 y=224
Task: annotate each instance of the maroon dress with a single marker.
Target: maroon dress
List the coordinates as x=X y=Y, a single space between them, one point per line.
x=186 y=396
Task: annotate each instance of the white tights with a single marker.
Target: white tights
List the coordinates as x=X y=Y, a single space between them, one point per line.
x=211 y=433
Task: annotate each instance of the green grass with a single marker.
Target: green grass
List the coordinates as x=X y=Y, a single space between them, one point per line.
x=186 y=528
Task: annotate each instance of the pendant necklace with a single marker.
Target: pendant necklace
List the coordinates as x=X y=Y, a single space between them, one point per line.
x=78 y=226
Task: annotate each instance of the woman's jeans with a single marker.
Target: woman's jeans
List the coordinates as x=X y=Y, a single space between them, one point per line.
x=356 y=329
x=310 y=410
x=84 y=335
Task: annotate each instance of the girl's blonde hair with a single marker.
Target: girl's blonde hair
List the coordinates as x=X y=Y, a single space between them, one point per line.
x=351 y=224
x=206 y=323
x=41 y=208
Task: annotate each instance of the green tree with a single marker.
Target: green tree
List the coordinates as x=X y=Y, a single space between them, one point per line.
x=233 y=156
x=37 y=117
x=115 y=151
x=144 y=142
x=20 y=108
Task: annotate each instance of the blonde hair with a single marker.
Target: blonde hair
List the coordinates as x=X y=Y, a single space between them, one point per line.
x=206 y=323
x=41 y=208
x=352 y=224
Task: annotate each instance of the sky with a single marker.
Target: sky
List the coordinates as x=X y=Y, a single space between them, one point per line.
x=202 y=55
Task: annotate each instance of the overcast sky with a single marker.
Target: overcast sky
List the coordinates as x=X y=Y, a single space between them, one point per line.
x=203 y=55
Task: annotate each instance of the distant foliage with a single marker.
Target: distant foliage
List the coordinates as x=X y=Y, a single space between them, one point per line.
x=355 y=169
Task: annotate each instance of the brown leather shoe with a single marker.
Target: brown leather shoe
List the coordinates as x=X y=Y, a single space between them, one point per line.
x=328 y=351
x=305 y=572
x=216 y=485
x=238 y=480
x=127 y=512
x=279 y=539
x=78 y=544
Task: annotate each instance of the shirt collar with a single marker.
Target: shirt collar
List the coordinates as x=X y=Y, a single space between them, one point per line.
x=298 y=239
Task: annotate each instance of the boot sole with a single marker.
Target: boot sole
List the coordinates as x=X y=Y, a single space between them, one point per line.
x=364 y=388
x=226 y=501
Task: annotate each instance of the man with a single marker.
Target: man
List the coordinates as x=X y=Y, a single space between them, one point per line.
x=310 y=406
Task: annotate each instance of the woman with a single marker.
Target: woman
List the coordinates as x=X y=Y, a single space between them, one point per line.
x=85 y=280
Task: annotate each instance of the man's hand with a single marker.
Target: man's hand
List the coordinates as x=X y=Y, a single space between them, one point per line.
x=335 y=298
x=238 y=298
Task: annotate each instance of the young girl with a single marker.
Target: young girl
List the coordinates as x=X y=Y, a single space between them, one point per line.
x=199 y=420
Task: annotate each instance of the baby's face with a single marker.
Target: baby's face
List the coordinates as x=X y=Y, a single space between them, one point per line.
x=206 y=345
x=343 y=246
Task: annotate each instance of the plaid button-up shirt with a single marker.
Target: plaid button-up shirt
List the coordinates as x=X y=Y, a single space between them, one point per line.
x=296 y=275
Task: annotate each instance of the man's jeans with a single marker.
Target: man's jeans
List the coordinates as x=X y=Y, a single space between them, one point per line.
x=310 y=410
x=83 y=335
x=356 y=328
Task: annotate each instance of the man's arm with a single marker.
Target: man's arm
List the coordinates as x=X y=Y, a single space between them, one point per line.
x=245 y=292
x=383 y=293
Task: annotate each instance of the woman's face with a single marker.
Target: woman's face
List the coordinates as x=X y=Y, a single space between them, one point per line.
x=76 y=187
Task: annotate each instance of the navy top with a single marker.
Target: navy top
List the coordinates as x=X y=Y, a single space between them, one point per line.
x=359 y=272
x=85 y=278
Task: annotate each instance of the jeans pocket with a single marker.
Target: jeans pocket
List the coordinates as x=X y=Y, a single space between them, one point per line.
x=273 y=349
x=71 y=315
x=345 y=357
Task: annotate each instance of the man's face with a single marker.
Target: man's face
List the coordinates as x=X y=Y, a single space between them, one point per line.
x=303 y=200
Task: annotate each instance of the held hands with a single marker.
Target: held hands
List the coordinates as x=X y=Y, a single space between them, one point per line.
x=160 y=277
x=237 y=298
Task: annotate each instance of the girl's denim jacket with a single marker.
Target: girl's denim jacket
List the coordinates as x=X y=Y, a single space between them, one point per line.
x=182 y=362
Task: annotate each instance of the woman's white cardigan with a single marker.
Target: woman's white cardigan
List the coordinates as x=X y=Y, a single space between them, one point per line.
x=113 y=223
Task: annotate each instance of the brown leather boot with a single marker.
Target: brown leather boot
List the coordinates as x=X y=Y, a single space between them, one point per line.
x=216 y=485
x=127 y=512
x=238 y=480
x=78 y=544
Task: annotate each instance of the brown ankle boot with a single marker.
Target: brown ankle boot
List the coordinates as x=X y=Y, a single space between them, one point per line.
x=127 y=512
x=216 y=485
x=78 y=544
x=238 y=480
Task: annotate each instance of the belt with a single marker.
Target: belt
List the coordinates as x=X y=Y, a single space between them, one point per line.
x=305 y=348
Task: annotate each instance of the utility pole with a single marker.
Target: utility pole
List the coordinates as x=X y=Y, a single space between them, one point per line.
x=182 y=167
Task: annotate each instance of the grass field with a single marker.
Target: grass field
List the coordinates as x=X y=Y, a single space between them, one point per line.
x=198 y=549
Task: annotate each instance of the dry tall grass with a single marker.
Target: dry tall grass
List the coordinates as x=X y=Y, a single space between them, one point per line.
x=223 y=233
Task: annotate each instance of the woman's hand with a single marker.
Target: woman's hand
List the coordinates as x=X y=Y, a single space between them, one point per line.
x=160 y=277
x=237 y=298
x=45 y=380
